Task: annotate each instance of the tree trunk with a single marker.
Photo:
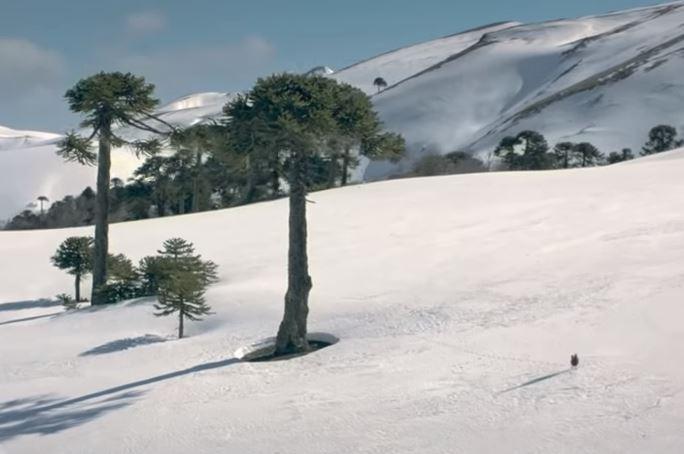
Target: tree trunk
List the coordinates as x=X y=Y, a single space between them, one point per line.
x=180 y=322
x=181 y=204
x=196 y=184
x=332 y=171
x=275 y=183
x=292 y=331
x=274 y=169
x=345 y=166
x=104 y=162
x=250 y=188
x=77 y=284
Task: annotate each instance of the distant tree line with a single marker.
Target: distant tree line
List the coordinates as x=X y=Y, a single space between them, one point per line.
x=529 y=150
x=207 y=167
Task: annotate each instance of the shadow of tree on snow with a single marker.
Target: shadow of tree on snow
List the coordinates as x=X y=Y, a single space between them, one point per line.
x=28 y=319
x=535 y=380
x=45 y=415
x=123 y=344
x=29 y=304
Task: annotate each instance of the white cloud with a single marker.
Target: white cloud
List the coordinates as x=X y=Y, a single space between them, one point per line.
x=145 y=22
x=26 y=68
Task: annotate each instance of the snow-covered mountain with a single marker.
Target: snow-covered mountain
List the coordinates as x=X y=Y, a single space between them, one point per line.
x=604 y=79
x=32 y=168
x=11 y=139
x=457 y=300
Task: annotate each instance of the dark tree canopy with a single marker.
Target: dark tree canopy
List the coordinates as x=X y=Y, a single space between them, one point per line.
x=302 y=121
x=75 y=256
x=358 y=127
x=193 y=145
x=625 y=155
x=107 y=100
x=661 y=138
x=563 y=153
x=380 y=83
x=587 y=154
x=528 y=150
x=182 y=278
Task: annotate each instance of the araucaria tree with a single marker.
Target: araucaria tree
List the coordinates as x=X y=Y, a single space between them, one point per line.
x=587 y=154
x=192 y=147
x=661 y=138
x=380 y=83
x=108 y=100
x=358 y=133
x=563 y=153
x=295 y=114
x=42 y=199
x=183 y=280
x=526 y=151
x=74 y=256
x=614 y=157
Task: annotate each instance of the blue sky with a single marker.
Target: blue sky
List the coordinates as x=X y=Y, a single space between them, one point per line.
x=219 y=45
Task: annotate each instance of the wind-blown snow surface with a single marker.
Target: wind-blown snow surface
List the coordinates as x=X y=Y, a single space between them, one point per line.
x=34 y=169
x=603 y=79
x=13 y=139
x=397 y=65
x=454 y=297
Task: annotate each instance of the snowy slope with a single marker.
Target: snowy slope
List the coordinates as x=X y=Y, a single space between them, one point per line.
x=397 y=65
x=604 y=79
x=14 y=139
x=34 y=169
x=456 y=300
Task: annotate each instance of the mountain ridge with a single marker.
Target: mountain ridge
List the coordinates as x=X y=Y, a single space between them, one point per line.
x=605 y=79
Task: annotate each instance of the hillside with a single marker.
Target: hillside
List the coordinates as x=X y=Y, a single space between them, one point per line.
x=11 y=139
x=605 y=79
x=33 y=169
x=457 y=300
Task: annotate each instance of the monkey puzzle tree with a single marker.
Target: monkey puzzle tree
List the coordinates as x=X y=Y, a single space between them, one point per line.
x=42 y=199
x=661 y=138
x=625 y=155
x=379 y=83
x=296 y=115
x=192 y=146
x=563 y=152
x=252 y=150
x=588 y=154
x=108 y=100
x=182 y=279
x=526 y=151
x=358 y=128
x=74 y=255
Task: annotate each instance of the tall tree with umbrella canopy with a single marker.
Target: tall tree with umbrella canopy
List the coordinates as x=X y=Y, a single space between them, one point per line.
x=108 y=100
x=295 y=116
